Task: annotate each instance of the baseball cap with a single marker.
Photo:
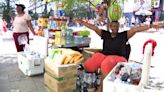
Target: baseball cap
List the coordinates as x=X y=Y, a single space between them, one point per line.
x=21 y=5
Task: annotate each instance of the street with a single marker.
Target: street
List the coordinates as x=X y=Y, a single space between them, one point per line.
x=11 y=78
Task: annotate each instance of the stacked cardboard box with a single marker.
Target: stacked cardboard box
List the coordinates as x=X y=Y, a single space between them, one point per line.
x=60 y=78
x=88 y=52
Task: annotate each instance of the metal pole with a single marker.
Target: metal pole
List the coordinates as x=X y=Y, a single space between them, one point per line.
x=90 y=10
x=35 y=6
x=45 y=10
x=35 y=14
x=8 y=17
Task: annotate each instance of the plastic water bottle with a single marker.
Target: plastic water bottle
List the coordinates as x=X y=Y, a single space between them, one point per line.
x=78 y=85
x=69 y=36
x=46 y=33
x=63 y=37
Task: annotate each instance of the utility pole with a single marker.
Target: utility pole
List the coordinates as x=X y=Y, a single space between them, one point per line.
x=45 y=9
x=8 y=11
x=90 y=10
x=35 y=14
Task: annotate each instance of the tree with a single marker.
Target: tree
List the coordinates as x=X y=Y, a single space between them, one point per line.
x=81 y=11
x=8 y=11
x=2 y=7
x=69 y=4
x=88 y=7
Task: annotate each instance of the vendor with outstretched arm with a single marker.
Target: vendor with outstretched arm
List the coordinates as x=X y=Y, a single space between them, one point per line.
x=114 y=46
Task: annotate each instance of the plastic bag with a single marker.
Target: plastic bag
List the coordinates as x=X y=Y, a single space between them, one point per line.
x=22 y=39
x=27 y=48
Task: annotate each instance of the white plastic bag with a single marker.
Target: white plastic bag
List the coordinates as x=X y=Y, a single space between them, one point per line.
x=27 y=48
x=22 y=39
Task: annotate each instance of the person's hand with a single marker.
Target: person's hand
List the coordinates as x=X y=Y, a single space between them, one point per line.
x=34 y=34
x=157 y=25
x=78 y=20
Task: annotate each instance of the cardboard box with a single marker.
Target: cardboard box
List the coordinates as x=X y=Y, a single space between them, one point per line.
x=43 y=22
x=53 y=85
x=91 y=50
x=60 y=71
x=88 y=52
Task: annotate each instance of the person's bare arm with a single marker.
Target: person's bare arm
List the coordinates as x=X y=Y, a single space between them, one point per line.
x=134 y=30
x=30 y=26
x=90 y=26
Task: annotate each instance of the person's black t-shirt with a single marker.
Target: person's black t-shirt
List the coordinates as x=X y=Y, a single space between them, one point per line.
x=116 y=45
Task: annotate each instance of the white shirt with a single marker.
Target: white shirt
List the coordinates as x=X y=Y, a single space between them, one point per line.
x=144 y=6
x=128 y=6
x=20 y=23
x=142 y=9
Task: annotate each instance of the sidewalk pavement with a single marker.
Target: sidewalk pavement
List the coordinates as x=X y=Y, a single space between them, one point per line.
x=13 y=80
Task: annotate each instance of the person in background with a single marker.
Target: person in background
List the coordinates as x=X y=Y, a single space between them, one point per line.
x=128 y=7
x=3 y=26
x=21 y=26
x=141 y=10
x=114 y=48
x=71 y=23
x=148 y=20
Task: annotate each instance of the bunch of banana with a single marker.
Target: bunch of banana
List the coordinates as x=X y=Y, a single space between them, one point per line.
x=72 y=57
x=67 y=56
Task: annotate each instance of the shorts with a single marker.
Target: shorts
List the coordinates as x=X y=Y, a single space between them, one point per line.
x=105 y=62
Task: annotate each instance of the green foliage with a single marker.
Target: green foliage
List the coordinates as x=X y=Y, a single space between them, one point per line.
x=34 y=16
x=78 y=6
x=8 y=11
x=35 y=0
x=69 y=4
x=5 y=13
x=81 y=11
